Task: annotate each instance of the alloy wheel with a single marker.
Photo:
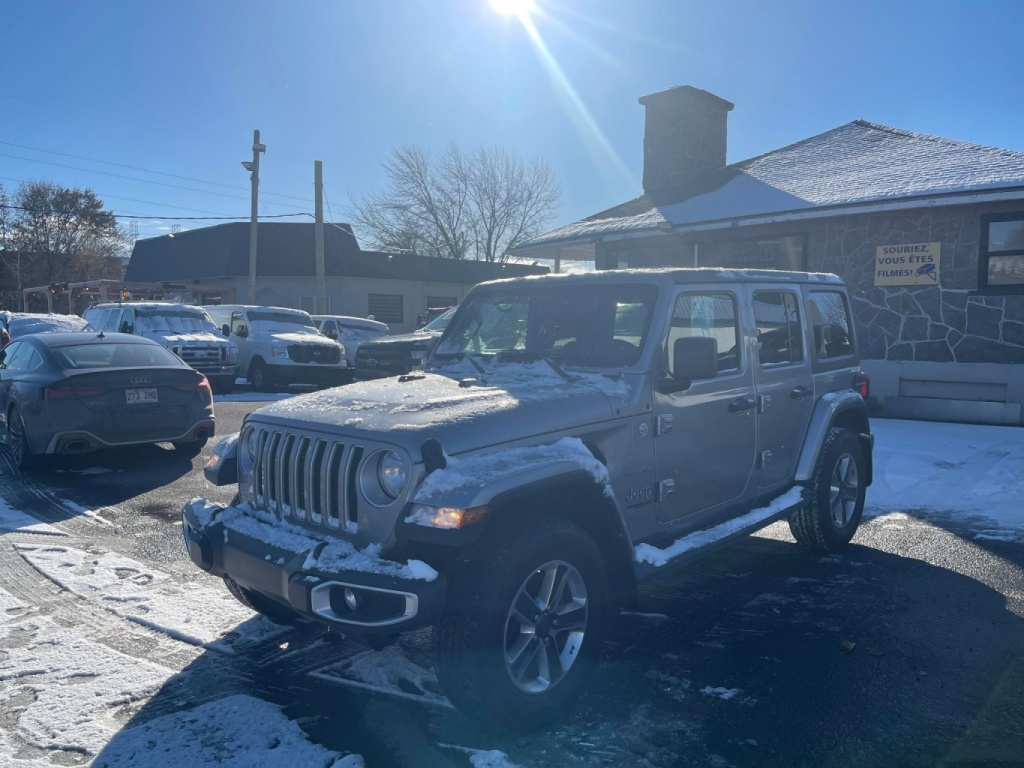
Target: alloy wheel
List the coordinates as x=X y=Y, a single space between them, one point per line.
x=844 y=490
x=545 y=627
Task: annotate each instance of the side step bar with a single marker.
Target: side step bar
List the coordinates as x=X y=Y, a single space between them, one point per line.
x=650 y=560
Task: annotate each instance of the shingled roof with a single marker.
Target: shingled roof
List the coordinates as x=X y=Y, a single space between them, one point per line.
x=287 y=249
x=853 y=165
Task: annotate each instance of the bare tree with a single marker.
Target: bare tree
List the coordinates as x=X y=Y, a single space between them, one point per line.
x=475 y=204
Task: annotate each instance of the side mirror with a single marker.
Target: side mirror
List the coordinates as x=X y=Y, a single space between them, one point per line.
x=242 y=332
x=225 y=329
x=693 y=358
x=332 y=334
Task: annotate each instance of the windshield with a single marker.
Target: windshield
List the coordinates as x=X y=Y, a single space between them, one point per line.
x=582 y=325
x=175 y=320
x=114 y=355
x=282 y=321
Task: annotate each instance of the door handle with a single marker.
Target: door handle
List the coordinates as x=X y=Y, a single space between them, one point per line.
x=742 y=404
x=799 y=393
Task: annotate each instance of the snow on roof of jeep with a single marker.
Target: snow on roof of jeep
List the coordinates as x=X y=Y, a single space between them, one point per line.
x=678 y=275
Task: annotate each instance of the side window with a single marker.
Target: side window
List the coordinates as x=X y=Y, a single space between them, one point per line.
x=711 y=315
x=830 y=323
x=237 y=321
x=110 y=318
x=127 y=322
x=328 y=327
x=9 y=353
x=31 y=360
x=777 y=317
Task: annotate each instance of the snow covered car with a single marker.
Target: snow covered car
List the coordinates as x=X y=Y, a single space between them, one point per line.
x=67 y=393
x=185 y=330
x=279 y=346
x=351 y=332
x=20 y=324
x=397 y=355
x=569 y=437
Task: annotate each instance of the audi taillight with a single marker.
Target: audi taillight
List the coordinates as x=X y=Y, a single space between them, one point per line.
x=69 y=393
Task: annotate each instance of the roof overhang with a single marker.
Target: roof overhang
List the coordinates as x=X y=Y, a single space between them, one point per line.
x=849 y=209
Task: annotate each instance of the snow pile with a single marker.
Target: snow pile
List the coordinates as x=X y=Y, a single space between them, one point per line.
x=388 y=671
x=645 y=553
x=233 y=732
x=464 y=475
x=484 y=758
x=935 y=468
x=194 y=614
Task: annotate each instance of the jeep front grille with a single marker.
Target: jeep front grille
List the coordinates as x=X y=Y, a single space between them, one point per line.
x=310 y=480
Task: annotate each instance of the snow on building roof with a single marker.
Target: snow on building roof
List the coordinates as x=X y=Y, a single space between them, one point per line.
x=857 y=163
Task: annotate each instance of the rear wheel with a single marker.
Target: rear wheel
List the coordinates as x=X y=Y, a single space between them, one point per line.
x=22 y=453
x=523 y=626
x=829 y=522
x=273 y=610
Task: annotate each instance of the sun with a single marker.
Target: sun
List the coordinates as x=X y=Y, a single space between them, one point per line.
x=518 y=8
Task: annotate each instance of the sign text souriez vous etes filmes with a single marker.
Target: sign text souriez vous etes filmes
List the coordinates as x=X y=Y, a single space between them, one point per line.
x=912 y=264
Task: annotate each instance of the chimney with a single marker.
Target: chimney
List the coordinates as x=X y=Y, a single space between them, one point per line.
x=684 y=139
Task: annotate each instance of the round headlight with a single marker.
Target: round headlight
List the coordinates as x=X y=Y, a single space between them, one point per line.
x=252 y=445
x=391 y=474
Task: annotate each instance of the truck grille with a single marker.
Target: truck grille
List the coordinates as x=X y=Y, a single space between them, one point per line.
x=309 y=353
x=200 y=355
x=308 y=479
x=383 y=361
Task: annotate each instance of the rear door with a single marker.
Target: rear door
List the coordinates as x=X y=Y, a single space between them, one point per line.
x=783 y=382
x=705 y=436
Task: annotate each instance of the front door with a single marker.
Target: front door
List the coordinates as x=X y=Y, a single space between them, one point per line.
x=784 y=385
x=705 y=436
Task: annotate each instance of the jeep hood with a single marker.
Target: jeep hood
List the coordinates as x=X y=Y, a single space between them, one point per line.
x=463 y=410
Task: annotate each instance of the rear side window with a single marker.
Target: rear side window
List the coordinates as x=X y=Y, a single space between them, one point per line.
x=710 y=315
x=830 y=323
x=112 y=355
x=777 y=317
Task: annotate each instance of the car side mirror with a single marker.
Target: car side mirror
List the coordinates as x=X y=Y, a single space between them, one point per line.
x=242 y=332
x=693 y=358
x=332 y=335
x=225 y=329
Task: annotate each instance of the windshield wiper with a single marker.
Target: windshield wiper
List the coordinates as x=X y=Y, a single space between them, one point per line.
x=476 y=364
x=557 y=368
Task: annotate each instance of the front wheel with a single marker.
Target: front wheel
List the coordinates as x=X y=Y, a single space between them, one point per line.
x=259 y=376
x=524 y=625
x=829 y=522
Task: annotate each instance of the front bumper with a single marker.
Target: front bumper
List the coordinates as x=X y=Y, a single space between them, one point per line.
x=310 y=373
x=288 y=571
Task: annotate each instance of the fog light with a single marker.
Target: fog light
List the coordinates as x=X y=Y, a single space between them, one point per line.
x=351 y=600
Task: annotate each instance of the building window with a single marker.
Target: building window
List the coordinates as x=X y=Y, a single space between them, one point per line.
x=386 y=307
x=1001 y=262
x=785 y=252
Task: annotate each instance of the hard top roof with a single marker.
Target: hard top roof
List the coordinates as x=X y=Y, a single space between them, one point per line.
x=678 y=275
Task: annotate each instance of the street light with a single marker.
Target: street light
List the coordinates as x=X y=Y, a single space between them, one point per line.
x=254 y=169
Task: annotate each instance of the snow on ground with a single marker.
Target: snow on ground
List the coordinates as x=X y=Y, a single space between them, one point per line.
x=253 y=397
x=194 y=614
x=11 y=520
x=938 y=469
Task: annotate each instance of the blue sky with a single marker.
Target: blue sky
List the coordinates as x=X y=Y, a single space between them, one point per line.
x=178 y=87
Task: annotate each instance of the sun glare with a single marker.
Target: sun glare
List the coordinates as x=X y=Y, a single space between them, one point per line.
x=519 y=8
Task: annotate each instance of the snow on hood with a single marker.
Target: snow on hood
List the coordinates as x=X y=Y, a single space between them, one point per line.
x=507 y=397
x=302 y=338
x=25 y=324
x=199 y=337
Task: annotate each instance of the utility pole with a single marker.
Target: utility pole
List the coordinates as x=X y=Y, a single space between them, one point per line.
x=254 y=168
x=318 y=211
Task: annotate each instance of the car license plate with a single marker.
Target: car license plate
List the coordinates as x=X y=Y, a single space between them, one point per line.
x=141 y=396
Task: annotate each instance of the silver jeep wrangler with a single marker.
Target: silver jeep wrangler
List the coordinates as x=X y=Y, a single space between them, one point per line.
x=569 y=436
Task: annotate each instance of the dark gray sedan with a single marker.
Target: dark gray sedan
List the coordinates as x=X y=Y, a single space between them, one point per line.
x=65 y=393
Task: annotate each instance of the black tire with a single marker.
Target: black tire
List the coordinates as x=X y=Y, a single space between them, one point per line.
x=829 y=522
x=190 y=449
x=21 y=452
x=273 y=610
x=259 y=376
x=479 y=624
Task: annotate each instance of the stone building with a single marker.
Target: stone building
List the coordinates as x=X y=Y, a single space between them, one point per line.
x=927 y=232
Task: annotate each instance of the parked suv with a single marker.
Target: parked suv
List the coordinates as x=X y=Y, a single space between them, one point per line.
x=184 y=329
x=280 y=346
x=569 y=437
x=396 y=355
x=351 y=332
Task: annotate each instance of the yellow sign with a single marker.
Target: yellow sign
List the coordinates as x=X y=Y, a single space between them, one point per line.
x=914 y=264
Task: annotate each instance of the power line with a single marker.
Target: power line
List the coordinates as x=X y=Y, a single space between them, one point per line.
x=144 y=181
x=129 y=199
x=171 y=218
x=144 y=170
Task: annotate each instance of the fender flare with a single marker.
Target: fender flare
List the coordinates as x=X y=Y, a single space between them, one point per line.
x=847 y=407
